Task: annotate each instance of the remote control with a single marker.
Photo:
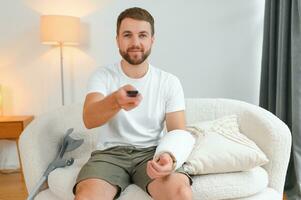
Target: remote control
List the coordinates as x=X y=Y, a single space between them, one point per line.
x=132 y=93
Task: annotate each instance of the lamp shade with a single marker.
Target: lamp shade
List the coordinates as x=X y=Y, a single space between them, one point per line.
x=58 y=29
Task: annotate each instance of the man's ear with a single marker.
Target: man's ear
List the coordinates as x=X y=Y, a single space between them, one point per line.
x=117 y=41
x=153 y=39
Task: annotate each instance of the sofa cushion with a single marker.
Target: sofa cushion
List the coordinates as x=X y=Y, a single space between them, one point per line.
x=46 y=195
x=266 y=194
x=205 y=187
x=134 y=193
x=229 y=185
x=221 y=148
x=62 y=180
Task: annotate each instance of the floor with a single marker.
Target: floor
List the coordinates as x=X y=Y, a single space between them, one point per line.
x=12 y=187
x=284 y=197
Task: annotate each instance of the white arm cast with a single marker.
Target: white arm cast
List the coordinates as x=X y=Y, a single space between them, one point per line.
x=178 y=143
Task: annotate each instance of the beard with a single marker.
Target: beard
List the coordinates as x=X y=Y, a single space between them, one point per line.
x=135 y=59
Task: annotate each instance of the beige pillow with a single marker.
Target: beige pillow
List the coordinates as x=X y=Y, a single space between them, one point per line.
x=220 y=148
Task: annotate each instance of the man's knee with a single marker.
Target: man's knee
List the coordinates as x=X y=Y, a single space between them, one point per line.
x=183 y=192
x=86 y=195
x=80 y=196
x=173 y=191
x=92 y=189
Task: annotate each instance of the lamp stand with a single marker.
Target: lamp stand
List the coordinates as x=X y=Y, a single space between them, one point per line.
x=62 y=72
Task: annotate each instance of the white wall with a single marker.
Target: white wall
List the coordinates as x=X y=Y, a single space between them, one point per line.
x=213 y=46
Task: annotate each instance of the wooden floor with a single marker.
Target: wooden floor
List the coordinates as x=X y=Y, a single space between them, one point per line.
x=284 y=197
x=12 y=187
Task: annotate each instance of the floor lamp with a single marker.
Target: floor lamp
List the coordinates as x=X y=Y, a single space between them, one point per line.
x=1 y=102
x=60 y=30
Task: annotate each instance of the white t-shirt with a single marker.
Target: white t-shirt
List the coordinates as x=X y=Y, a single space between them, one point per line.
x=142 y=126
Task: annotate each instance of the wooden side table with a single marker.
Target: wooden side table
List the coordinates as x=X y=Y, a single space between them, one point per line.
x=11 y=127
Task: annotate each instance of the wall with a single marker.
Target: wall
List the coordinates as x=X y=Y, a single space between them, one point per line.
x=213 y=46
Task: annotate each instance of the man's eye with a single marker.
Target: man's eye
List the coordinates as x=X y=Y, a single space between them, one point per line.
x=126 y=35
x=142 y=36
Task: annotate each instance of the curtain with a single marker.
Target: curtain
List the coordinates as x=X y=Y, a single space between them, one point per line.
x=280 y=86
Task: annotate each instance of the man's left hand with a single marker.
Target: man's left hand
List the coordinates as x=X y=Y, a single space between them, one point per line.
x=161 y=167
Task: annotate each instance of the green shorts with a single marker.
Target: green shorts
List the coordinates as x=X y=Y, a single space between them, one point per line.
x=120 y=166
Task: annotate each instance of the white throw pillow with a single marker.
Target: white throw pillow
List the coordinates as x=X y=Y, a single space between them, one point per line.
x=221 y=148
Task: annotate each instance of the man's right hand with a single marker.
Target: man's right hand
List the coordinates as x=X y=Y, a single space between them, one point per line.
x=124 y=101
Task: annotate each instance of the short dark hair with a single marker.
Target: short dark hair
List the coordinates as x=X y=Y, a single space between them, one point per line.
x=138 y=14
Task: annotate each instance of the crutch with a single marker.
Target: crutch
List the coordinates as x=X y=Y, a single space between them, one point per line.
x=68 y=144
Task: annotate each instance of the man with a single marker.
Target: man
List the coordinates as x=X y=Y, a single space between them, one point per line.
x=133 y=125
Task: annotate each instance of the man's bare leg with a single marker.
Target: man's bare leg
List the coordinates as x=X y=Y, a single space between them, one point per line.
x=175 y=186
x=93 y=189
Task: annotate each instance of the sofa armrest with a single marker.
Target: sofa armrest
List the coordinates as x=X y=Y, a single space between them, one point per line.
x=39 y=143
x=273 y=137
x=38 y=146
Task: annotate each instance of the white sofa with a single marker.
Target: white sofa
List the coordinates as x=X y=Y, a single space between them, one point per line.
x=39 y=143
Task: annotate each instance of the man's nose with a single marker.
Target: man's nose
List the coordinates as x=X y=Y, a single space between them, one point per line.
x=135 y=41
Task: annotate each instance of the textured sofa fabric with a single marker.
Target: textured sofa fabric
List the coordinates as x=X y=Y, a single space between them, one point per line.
x=205 y=187
x=39 y=143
